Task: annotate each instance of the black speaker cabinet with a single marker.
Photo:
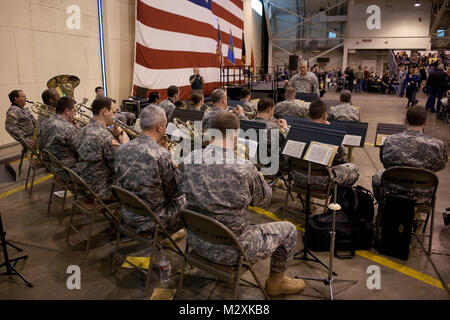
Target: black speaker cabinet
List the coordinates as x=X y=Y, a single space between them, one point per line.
x=293 y=63
x=396 y=226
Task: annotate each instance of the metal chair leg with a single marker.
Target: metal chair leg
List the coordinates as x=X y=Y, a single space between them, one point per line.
x=70 y=225
x=236 y=284
x=51 y=198
x=88 y=244
x=32 y=182
x=64 y=199
x=28 y=175
x=21 y=162
x=116 y=252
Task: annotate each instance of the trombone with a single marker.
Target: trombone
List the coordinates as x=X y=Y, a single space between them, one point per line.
x=82 y=107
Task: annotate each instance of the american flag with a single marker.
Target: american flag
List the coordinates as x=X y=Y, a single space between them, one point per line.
x=173 y=37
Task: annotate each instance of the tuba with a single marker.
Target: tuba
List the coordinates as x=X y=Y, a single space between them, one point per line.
x=64 y=84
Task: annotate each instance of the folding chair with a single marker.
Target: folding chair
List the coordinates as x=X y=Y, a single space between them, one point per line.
x=35 y=163
x=90 y=206
x=62 y=183
x=133 y=204
x=22 y=156
x=213 y=231
x=317 y=170
x=410 y=179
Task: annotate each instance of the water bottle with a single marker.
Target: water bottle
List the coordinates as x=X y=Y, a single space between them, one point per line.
x=164 y=270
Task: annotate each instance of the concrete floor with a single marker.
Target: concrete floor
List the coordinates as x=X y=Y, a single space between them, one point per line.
x=43 y=239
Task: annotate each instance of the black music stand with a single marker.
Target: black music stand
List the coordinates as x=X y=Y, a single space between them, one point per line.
x=387 y=129
x=10 y=264
x=306 y=132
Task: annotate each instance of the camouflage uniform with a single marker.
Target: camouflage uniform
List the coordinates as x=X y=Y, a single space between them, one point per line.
x=249 y=107
x=290 y=108
x=305 y=84
x=20 y=123
x=43 y=133
x=62 y=140
x=411 y=148
x=344 y=112
x=223 y=191
x=145 y=168
x=96 y=149
x=169 y=108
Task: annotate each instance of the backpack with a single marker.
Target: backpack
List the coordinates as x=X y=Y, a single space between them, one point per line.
x=356 y=202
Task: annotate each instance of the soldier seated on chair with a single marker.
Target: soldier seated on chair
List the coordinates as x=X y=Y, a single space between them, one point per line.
x=144 y=167
x=49 y=97
x=345 y=111
x=290 y=107
x=97 y=147
x=346 y=173
x=412 y=148
x=19 y=121
x=61 y=136
x=221 y=185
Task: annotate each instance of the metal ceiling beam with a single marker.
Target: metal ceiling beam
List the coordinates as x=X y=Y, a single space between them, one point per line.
x=439 y=16
x=306 y=20
x=288 y=52
x=325 y=52
x=351 y=3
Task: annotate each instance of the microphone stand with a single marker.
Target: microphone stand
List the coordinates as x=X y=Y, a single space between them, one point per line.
x=330 y=280
x=305 y=249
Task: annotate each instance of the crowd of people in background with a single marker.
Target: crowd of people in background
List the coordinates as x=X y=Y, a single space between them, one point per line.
x=410 y=76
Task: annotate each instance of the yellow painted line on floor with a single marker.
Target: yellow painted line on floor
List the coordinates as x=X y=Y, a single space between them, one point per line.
x=400 y=268
x=370 y=256
x=9 y=192
x=369 y=144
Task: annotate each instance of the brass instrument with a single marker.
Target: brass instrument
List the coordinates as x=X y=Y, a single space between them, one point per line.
x=64 y=84
x=42 y=109
x=130 y=131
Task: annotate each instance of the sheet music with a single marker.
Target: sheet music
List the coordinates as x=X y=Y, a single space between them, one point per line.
x=351 y=140
x=252 y=146
x=294 y=148
x=381 y=138
x=320 y=153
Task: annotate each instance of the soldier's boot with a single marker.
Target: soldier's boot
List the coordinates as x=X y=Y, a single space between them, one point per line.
x=177 y=236
x=278 y=283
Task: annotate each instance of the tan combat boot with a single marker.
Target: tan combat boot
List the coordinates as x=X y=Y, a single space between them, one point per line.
x=278 y=283
x=177 y=236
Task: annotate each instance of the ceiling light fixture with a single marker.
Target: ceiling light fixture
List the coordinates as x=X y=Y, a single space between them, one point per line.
x=417 y=4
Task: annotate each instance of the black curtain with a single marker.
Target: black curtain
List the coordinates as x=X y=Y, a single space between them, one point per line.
x=264 y=43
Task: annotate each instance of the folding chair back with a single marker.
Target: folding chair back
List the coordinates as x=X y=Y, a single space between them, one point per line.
x=82 y=187
x=411 y=179
x=133 y=204
x=211 y=230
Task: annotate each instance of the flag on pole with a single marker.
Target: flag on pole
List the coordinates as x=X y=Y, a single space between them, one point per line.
x=243 y=57
x=252 y=63
x=219 y=46
x=230 y=55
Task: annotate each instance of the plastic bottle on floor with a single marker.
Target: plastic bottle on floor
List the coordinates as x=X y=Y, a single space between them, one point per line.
x=165 y=270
